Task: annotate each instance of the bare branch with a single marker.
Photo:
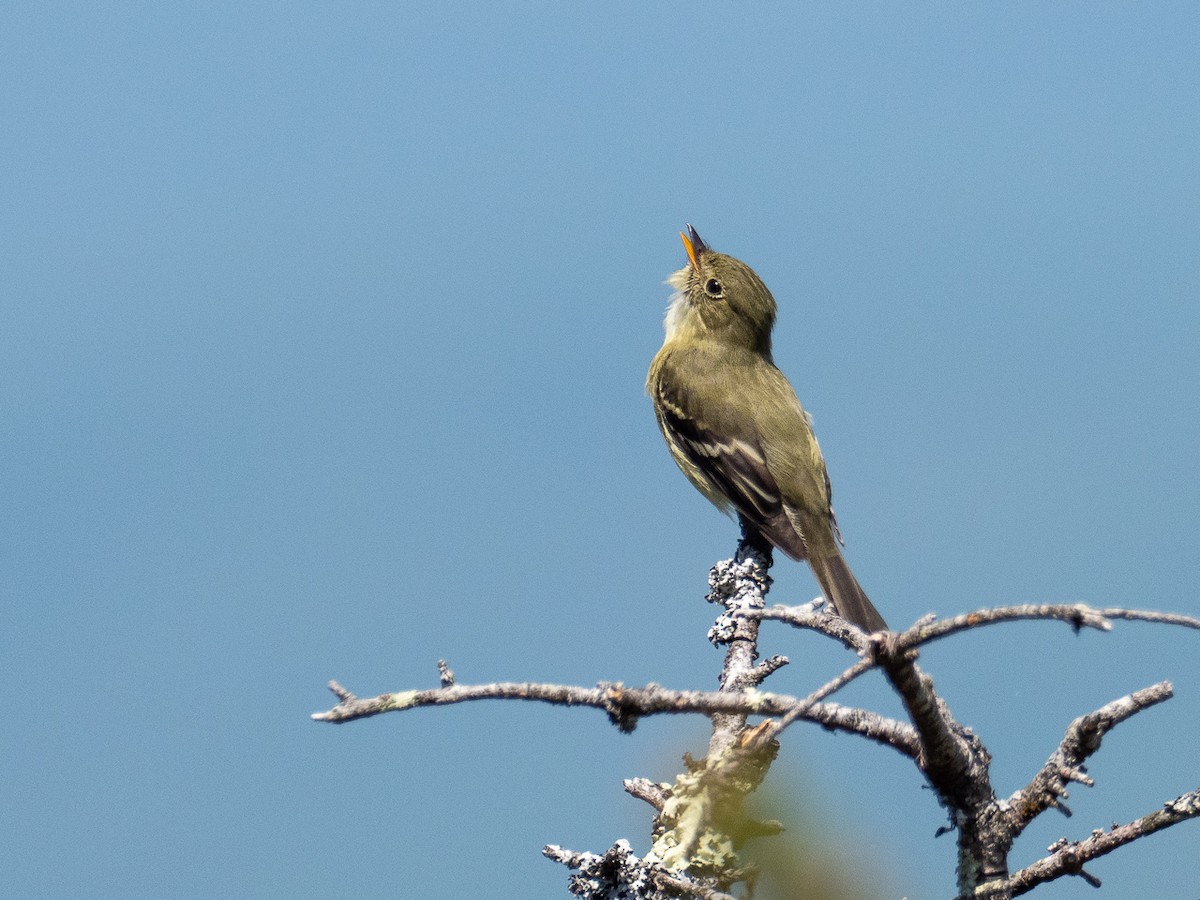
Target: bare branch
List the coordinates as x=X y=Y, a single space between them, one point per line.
x=929 y=628
x=1145 y=615
x=626 y=705
x=623 y=704
x=1082 y=739
x=819 y=620
x=1076 y=615
x=644 y=789
x=946 y=758
x=956 y=764
x=1068 y=858
x=765 y=669
x=343 y=695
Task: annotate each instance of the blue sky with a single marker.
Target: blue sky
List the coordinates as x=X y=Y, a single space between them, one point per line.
x=324 y=328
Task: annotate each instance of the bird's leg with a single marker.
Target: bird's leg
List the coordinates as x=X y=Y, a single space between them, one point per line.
x=752 y=540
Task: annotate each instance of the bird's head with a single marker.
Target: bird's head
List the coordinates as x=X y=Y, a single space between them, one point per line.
x=719 y=298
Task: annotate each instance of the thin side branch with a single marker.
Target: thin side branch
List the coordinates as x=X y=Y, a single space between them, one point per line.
x=1146 y=615
x=651 y=791
x=623 y=704
x=1083 y=736
x=819 y=620
x=770 y=730
x=1069 y=857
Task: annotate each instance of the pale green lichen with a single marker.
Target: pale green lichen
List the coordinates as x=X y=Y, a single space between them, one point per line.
x=693 y=838
x=399 y=700
x=703 y=820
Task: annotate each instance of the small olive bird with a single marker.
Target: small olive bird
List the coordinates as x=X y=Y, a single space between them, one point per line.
x=734 y=426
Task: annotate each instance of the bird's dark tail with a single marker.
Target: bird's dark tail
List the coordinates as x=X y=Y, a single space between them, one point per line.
x=842 y=590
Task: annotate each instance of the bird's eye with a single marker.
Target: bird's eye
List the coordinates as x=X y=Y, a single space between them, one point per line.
x=713 y=288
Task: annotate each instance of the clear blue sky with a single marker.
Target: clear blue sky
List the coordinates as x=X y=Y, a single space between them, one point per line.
x=323 y=332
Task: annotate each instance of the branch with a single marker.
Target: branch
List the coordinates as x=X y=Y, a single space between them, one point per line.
x=826 y=623
x=956 y=763
x=651 y=791
x=1146 y=615
x=947 y=755
x=626 y=705
x=694 y=831
x=1077 y=615
x=741 y=585
x=1083 y=736
x=1068 y=858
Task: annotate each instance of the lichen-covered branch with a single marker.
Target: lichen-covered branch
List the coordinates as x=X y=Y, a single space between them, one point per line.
x=698 y=827
x=740 y=585
x=620 y=873
x=700 y=821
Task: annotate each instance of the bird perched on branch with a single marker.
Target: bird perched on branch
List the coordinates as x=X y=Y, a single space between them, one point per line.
x=734 y=426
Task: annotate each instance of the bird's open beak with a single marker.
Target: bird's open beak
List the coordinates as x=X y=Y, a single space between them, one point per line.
x=694 y=244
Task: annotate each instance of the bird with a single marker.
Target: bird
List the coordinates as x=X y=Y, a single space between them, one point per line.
x=735 y=427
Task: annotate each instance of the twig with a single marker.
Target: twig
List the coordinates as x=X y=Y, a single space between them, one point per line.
x=1145 y=615
x=644 y=789
x=770 y=730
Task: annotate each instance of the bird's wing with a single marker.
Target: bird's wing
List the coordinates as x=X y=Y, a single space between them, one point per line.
x=720 y=448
